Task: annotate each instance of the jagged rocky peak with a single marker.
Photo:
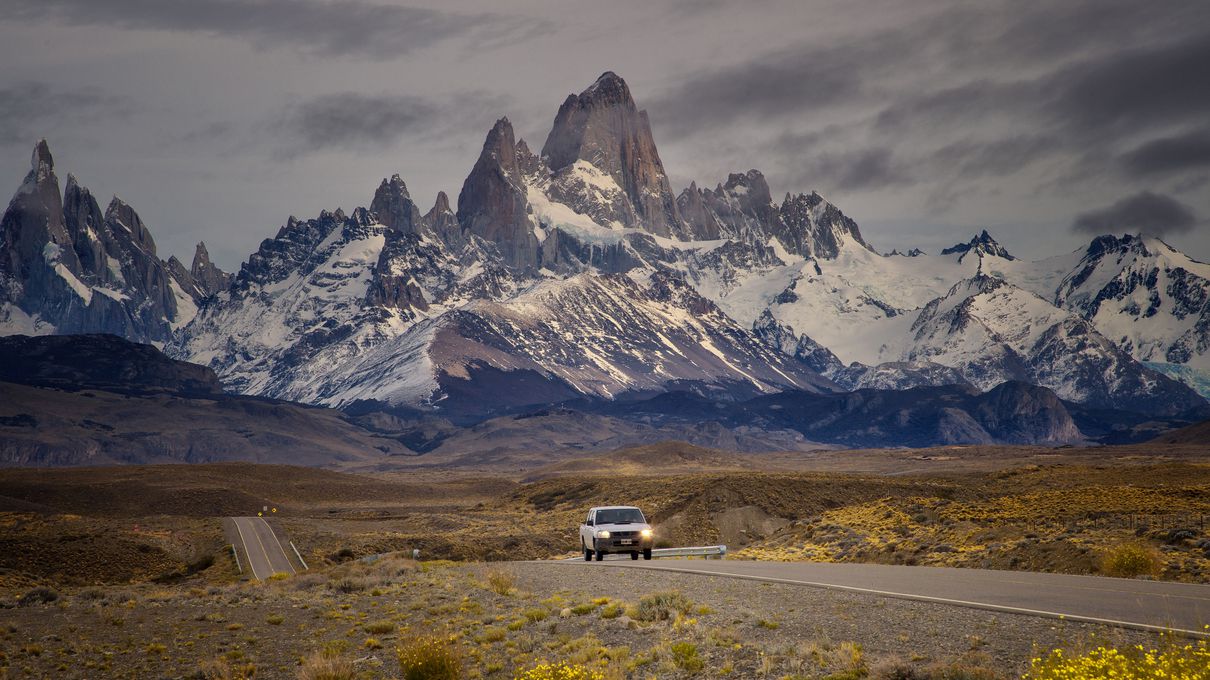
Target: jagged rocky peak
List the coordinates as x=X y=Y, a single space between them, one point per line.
x=751 y=185
x=441 y=220
x=492 y=204
x=66 y=267
x=394 y=206
x=42 y=163
x=85 y=224
x=700 y=219
x=206 y=274
x=813 y=227
x=742 y=207
x=33 y=238
x=603 y=126
x=981 y=245
x=119 y=215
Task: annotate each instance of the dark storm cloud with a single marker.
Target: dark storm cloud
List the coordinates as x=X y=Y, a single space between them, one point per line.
x=1136 y=88
x=1169 y=154
x=30 y=110
x=356 y=120
x=340 y=27
x=1037 y=81
x=1143 y=212
x=352 y=118
x=792 y=82
x=994 y=158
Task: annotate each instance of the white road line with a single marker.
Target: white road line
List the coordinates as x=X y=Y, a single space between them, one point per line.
x=251 y=564
x=278 y=542
x=939 y=600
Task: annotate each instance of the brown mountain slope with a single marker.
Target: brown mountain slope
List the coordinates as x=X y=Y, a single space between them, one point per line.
x=1197 y=433
x=42 y=426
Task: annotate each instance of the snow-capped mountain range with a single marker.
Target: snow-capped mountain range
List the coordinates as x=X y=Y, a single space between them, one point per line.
x=577 y=272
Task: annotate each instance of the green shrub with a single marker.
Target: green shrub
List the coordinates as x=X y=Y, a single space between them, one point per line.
x=684 y=655
x=662 y=606
x=1130 y=560
x=535 y=615
x=430 y=658
x=38 y=595
x=500 y=582
x=378 y=627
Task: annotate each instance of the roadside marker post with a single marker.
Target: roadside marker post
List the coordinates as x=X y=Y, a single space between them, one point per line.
x=235 y=554
x=299 y=555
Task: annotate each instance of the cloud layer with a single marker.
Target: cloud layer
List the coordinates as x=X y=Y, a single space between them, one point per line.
x=329 y=28
x=1144 y=212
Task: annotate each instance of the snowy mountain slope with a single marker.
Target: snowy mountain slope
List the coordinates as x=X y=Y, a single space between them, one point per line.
x=558 y=230
x=1147 y=297
x=1150 y=298
x=992 y=331
x=578 y=273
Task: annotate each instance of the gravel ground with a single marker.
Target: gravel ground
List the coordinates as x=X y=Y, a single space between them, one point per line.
x=575 y=612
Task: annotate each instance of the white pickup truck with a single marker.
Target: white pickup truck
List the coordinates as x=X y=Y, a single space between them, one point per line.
x=616 y=529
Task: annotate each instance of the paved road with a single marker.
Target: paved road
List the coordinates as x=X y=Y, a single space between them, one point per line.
x=1136 y=604
x=258 y=546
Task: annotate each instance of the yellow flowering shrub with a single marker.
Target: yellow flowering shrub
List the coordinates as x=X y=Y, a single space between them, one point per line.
x=560 y=671
x=430 y=658
x=1172 y=662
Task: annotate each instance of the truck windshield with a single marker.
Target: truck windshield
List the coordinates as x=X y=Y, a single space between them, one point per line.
x=620 y=516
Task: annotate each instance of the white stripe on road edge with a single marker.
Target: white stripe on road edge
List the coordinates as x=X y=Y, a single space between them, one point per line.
x=928 y=598
x=251 y=563
x=300 y=559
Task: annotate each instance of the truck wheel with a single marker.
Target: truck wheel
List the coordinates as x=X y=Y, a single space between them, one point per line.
x=647 y=554
x=587 y=553
x=600 y=555
x=634 y=556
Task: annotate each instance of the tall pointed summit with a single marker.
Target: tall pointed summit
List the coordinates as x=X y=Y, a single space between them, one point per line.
x=603 y=127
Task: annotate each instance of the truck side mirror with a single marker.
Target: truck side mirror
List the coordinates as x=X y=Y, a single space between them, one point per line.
x=589 y=522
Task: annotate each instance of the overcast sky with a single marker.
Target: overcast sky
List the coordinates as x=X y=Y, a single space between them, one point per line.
x=1043 y=122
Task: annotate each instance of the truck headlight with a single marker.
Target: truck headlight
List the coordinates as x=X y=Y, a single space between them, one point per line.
x=645 y=533
x=602 y=534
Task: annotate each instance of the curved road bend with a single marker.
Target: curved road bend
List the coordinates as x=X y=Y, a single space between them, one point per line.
x=259 y=547
x=1148 y=605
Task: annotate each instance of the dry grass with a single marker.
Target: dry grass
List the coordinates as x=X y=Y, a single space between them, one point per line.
x=320 y=666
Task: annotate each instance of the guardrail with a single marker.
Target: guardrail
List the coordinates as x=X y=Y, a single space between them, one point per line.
x=707 y=551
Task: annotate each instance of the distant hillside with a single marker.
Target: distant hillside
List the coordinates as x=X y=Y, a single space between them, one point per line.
x=656 y=459
x=1197 y=433
x=97 y=400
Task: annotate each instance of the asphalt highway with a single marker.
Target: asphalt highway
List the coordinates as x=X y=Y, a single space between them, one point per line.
x=1147 y=605
x=259 y=548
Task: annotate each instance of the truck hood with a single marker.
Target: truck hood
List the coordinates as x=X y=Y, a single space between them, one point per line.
x=634 y=526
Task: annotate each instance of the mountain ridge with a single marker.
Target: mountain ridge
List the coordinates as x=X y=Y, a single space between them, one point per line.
x=577 y=271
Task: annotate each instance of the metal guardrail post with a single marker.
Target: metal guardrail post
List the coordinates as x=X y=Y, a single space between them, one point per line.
x=708 y=551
